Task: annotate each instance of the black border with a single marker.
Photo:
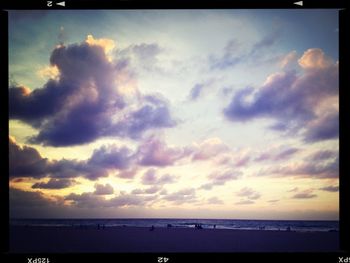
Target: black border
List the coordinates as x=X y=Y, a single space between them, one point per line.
x=344 y=194
x=172 y=4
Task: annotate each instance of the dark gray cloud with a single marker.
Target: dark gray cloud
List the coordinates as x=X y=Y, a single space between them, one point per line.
x=54 y=184
x=81 y=105
x=330 y=188
x=101 y=189
x=295 y=101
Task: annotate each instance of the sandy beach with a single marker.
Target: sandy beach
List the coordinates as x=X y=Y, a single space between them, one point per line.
x=139 y=239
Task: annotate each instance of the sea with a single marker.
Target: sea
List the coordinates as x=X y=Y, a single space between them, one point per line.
x=235 y=224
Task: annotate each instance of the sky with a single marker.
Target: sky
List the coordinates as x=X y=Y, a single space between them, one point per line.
x=174 y=114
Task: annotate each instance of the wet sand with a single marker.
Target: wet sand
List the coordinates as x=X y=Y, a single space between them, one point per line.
x=139 y=239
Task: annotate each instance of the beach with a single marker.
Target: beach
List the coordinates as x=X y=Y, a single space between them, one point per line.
x=52 y=239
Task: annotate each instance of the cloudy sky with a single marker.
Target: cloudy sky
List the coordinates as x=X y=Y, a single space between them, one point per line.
x=188 y=114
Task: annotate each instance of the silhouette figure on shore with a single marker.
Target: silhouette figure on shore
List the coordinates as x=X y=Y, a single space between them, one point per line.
x=152 y=228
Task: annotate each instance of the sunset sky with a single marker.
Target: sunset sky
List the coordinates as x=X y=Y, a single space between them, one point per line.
x=186 y=114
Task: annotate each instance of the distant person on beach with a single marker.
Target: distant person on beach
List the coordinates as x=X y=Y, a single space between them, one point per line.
x=214 y=226
x=288 y=228
x=152 y=228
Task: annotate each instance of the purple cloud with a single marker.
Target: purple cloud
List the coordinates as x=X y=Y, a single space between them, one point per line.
x=151 y=190
x=220 y=178
x=153 y=113
x=101 y=189
x=111 y=157
x=151 y=177
x=214 y=201
x=196 y=91
x=248 y=193
x=25 y=204
x=307 y=169
x=323 y=155
x=86 y=200
x=245 y=202
x=276 y=154
x=182 y=196
x=330 y=188
x=232 y=54
x=27 y=162
x=154 y=152
x=298 y=102
x=54 y=184
x=307 y=194
x=81 y=105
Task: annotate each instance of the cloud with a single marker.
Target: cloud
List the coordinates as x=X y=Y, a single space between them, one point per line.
x=142 y=57
x=91 y=200
x=304 y=104
x=209 y=149
x=111 y=157
x=150 y=190
x=87 y=100
x=280 y=153
x=25 y=204
x=324 y=128
x=214 y=201
x=101 y=189
x=153 y=113
x=154 y=152
x=330 y=188
x=233 y=53
x=295 y=189
x=54 y=184
x=307 y=169
x=199 y=89
x=245 y=202
x=86 y=200
x=27 y=162
x=306 y=194
x=186 y=195
x=323 y=155
x=248 y=193
x=150 y=177
x=220 y=178
x=289 y=60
